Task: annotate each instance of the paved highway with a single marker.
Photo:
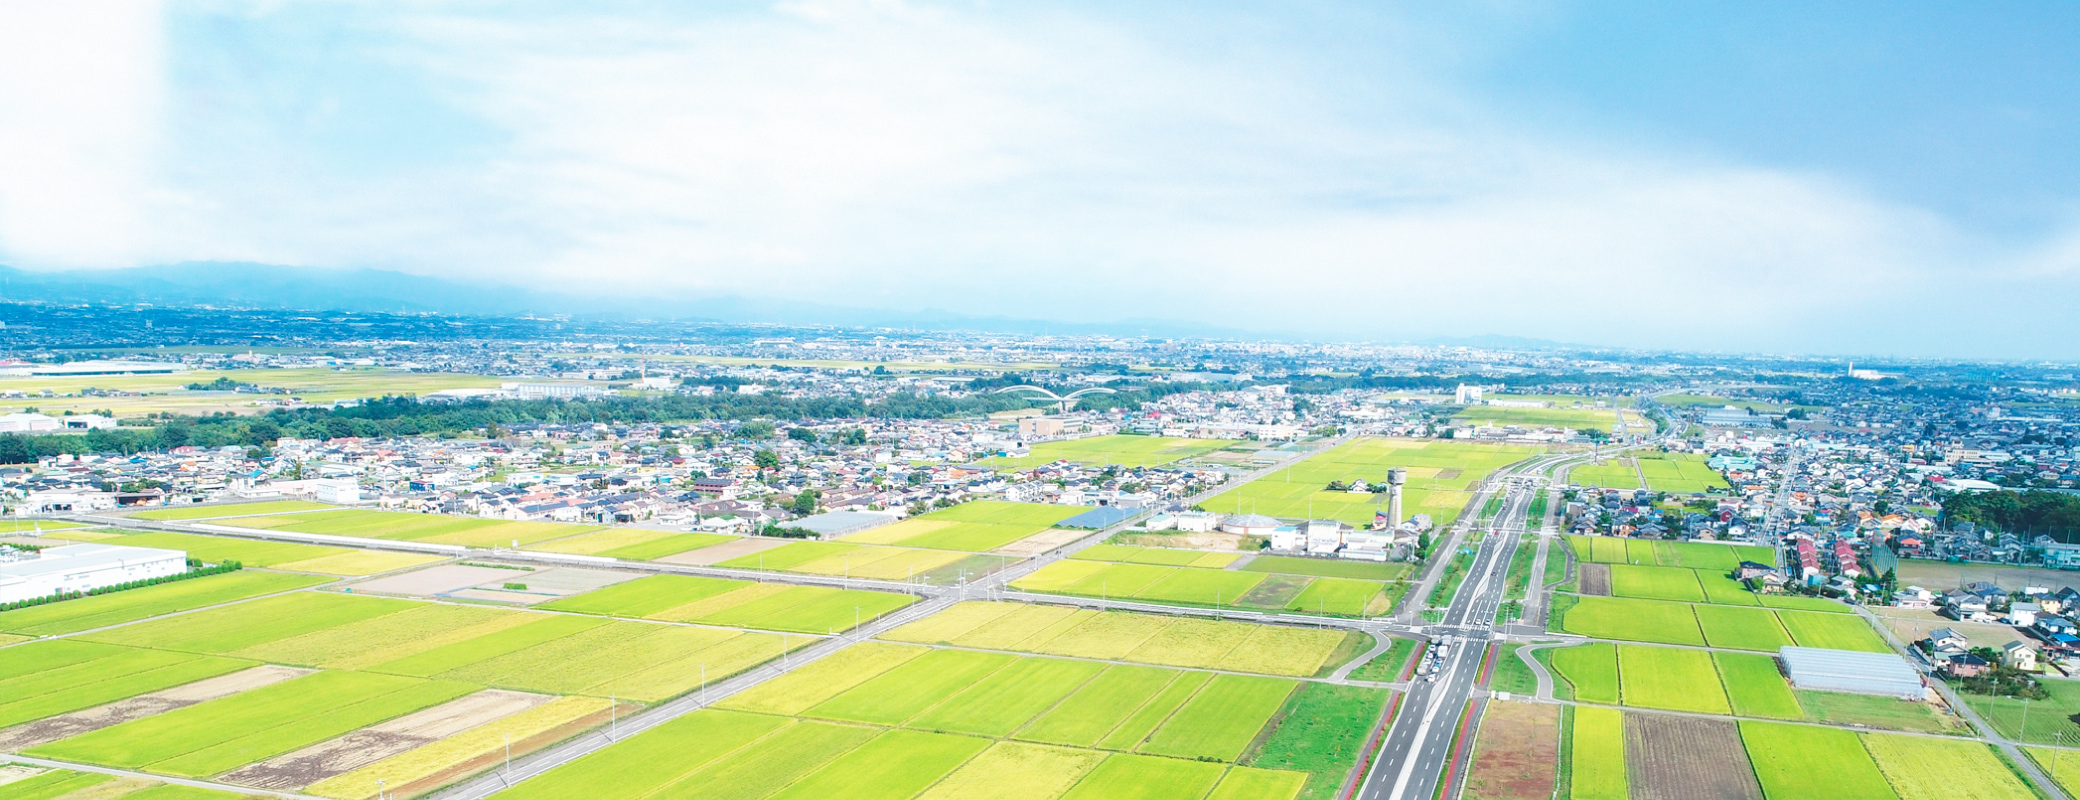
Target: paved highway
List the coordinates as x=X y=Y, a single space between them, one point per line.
x=1416 y=755
x=1418 y=747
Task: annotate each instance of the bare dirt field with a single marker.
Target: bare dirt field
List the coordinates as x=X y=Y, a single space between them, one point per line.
x=44 y=731
x=1042 y=542
x=1516 y=754
x=1914 y=624
x=500 y=596
x=1595 y=579
x=715 y=554
x=435 y=580
x=1687 y=758
x=1940 y=576
x=375 y=743
x=561 y=581
x=520 y=748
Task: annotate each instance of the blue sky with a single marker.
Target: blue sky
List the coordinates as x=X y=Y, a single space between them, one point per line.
x=1892 y=178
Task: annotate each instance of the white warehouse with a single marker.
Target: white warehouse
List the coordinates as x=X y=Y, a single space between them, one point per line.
x=84 y=567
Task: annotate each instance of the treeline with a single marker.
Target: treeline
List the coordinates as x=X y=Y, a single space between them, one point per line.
x=2052 y=513
x=195 y=570
x=407 y=416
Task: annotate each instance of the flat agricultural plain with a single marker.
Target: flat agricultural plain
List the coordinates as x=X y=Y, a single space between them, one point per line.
x=1146 y=576
x=748 y=604
x=247 y=679
x=1647 y=756
x=896 y=721
x=432 y=528
x=1747 y=685
x=1441 y=476
x=1665 y=622
x=1141 y=638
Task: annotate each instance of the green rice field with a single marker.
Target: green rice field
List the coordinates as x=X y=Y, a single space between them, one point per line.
x=1147 y=577
x=1665 y=622
x=1328 y=568
x=1670 y=678
x=1122 y=451
x=1142 y=638
x=42 y=679
x=635 y=544
x=1796 y=761
x=216 y=736
x=1755 y=688
x=61 y=784
x=1597 y=755
x=1921 y=768
x=1441 y=476
x=721 y=754
x=1679 y=473
x=1581 y=419
x=498 y=647
x=747 y=604
x=980 y=526
x=432 y=528
x=129 y=605
x=1710 y=556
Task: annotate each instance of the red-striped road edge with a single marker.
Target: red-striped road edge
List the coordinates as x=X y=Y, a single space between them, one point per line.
x=1372 y=745
x=1408 y=670
x=1446 y=788
x=1488 y=663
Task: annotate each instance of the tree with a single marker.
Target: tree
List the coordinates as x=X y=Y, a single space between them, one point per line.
x=755 y=429
x=805 y=502
x=802 y=435
x=766 y=461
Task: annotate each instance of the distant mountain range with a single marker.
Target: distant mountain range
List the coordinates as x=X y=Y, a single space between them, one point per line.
x=250 y=285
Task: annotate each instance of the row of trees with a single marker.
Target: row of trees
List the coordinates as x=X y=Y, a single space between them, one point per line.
x=2054 y=513
x=196 y=569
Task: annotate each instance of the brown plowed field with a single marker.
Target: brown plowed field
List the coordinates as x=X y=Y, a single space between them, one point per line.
x=1596 y=579
x=1687 y=758
x=369 y=745
x=45 y=731
x=1516 y=753
x=520 y=748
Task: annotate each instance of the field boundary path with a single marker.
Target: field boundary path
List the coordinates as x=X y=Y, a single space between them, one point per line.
x=1529 y=655
x=241 y=791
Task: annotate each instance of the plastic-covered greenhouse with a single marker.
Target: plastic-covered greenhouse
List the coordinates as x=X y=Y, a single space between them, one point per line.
x=1852 y=671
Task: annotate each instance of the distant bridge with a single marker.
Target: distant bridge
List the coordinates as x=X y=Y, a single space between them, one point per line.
x=1062 y=401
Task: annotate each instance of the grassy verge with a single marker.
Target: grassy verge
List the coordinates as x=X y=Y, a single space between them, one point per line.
x=1454 y=574
x=1354 y=644
x=1513 y=675
x=1321 y=731
x=1387 y=666
x=1519 y=576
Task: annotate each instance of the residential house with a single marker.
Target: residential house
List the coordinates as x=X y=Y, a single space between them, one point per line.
x=2020 y=655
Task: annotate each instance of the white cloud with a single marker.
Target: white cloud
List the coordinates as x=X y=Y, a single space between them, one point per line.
x=1019 y=162
x=79 y=118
